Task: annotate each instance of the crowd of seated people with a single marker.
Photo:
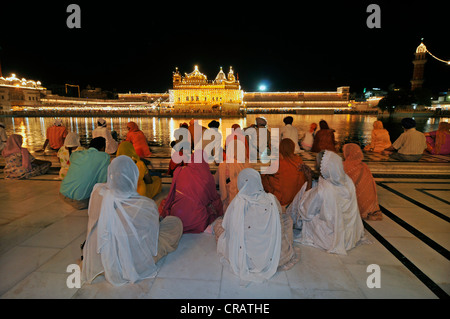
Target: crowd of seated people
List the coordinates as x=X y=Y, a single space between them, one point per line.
x=254 y=217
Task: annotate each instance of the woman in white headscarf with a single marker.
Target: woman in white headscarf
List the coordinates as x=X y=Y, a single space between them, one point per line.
x=103 y=131
x=71 y=144
x=125 y=238
x=327 y=212
x=252 y=238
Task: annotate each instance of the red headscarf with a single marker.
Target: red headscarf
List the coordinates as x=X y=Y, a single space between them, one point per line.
x=133 y=127
x=138 y=139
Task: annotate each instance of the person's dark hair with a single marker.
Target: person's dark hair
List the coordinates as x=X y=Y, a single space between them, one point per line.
x=319 y=158
x=214 y=123
x=99 y=143
x=408 y=123
x=323 y=125
x=288 y=120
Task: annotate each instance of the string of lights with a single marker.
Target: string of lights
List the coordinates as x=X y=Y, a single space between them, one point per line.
x=423 y=49
x=447 y=62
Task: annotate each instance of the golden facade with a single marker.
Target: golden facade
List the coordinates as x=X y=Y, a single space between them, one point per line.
x=194 y=92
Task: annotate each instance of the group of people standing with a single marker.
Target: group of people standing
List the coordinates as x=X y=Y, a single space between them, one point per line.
x=255 y=218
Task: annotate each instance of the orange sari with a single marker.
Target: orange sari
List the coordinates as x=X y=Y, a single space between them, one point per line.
x=138 y=139
x=288 y=180
x=380 y=138
x=366 y=191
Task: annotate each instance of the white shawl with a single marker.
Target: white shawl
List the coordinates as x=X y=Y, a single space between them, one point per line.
x=328 y=213
x=251 y=242
x=123 y=228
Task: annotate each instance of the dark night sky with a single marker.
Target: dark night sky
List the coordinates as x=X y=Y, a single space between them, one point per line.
x=293 y=46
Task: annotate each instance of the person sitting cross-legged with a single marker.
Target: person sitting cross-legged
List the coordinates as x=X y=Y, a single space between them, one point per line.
x=86 y=169
x=125 y=237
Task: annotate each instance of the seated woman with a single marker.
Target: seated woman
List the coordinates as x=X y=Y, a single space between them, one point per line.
x=380 y=139
x=324 y=139
x=327 y=212
x=149 y=186
x=193 y=196
x=71 y=144
x=20 y=164
x=308 y=139
x=124 y=235
x=228 y=171
x=236 y=135
x=254 y=238
x=438 y=142
x=136 y=137
x=173 y=165
x=366 y=190
x=288 y=180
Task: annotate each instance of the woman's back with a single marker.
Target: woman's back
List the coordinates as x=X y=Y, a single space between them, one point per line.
x=324 y=140
x=193 y=197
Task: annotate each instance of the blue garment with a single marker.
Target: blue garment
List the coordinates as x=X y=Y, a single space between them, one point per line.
x=86 y=169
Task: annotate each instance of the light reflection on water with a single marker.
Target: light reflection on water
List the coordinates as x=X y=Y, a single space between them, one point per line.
x=349 y=127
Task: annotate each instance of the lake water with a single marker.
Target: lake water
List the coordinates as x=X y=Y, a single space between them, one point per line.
x=349 y=127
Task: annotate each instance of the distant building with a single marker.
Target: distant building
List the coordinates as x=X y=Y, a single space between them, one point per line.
x=141 y=97
x=325 y=100
x=97 y=93
x=18 y=93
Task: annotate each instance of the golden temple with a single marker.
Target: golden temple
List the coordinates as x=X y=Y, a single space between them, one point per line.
x=193 y=92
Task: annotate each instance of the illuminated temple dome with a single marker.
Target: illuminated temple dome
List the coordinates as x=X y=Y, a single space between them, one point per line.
x=195 y=76
x=221 y=77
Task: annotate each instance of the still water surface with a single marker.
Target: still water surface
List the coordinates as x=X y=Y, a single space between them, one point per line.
x=349 y=127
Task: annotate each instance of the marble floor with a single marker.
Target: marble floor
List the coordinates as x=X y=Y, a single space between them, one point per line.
x=40 y=237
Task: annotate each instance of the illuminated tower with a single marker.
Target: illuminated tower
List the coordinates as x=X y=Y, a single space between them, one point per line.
x=419 y=66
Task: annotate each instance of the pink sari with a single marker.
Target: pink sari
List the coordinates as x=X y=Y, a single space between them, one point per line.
x=193 y=196
x=14 y=145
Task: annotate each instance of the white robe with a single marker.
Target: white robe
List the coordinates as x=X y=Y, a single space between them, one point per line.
x=251 y=242
x=328 y=213
x=123 y=228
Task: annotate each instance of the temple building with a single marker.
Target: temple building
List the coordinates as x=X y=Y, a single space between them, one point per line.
x=19 y=93
x=193 y=92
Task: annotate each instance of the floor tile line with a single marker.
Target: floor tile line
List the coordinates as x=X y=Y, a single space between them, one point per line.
x=413 y=201
x=418 y=234
x=425 y=191
x=438 y=291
